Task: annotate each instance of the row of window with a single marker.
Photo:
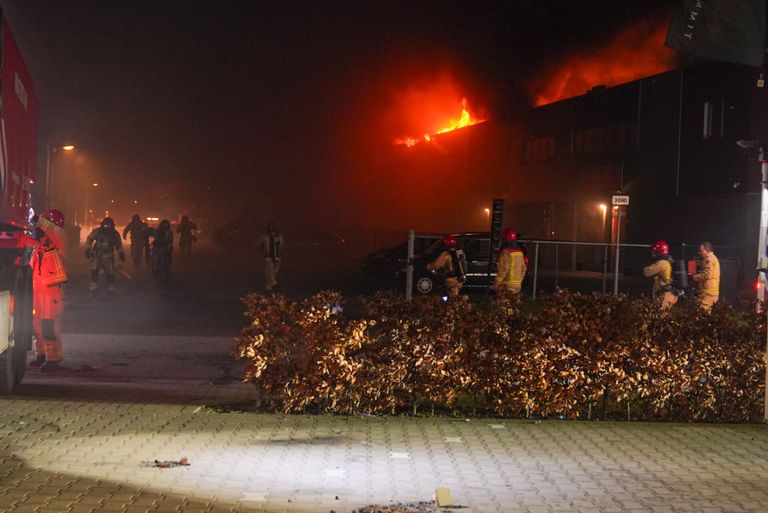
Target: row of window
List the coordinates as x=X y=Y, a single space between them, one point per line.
x=616 y=137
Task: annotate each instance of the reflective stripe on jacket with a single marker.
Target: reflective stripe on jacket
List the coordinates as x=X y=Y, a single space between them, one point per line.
x=511 y=268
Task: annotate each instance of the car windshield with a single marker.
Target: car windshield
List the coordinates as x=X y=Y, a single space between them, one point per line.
x=434 y=249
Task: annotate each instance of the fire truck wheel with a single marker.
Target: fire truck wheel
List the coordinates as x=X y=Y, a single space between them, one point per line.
x=22 y=322
x=17 y=331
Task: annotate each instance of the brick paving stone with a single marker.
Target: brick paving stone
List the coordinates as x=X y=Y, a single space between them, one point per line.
x=93 y=462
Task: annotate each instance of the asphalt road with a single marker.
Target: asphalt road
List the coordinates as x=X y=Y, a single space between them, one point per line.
x=152 y=343
x=147 y=342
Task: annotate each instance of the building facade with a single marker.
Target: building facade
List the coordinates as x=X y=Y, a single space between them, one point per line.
x=669 y=142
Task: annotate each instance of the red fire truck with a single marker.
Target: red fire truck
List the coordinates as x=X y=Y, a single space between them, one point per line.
x=18 y=156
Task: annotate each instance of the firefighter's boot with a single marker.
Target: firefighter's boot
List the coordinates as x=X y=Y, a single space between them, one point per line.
x=50 y=366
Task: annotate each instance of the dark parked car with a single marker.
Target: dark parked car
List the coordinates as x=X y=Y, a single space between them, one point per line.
x=391 y=264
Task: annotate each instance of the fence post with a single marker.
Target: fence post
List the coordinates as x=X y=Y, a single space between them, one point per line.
x=409 y=271
x=557 y=261
x=605 y=266
x=535 y=269
x=618 y=250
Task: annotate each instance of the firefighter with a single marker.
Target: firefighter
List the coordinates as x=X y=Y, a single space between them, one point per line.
x=272 y=245
x=162 y=252
x=186 y=231
x=48 y=279
x=512 y=264
x=661 y=273
x=139 y=231
x=708 y=278
x=451 y=264
x=100 y=247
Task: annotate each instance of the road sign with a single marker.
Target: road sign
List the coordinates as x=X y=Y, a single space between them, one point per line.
x=620 y=201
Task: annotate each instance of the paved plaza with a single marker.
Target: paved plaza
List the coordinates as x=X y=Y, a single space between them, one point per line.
x=61 y=456
x=85 y=439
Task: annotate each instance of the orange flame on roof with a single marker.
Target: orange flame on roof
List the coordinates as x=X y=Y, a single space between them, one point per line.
x=637 y=52
x=464 y=119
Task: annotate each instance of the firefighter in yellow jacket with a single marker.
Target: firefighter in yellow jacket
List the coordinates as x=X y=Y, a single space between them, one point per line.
x=661 y=273
x=512 y=264
x=48 y=278
x=451 y=265
x=708 y=278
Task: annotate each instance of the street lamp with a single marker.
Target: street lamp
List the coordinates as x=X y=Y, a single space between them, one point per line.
x=49 y=151
x=487 y=215
x=87 y=212
x=604 y=211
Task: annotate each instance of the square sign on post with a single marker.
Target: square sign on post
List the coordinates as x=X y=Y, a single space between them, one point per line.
x=620 y=201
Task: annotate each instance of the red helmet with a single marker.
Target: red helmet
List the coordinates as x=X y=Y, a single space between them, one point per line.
x=509 y=235
x=450 y=242
x=54 y=216
x=660 y=248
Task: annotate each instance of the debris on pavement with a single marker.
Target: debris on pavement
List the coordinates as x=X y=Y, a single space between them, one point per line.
x=182 y=462
x=225 y=408
x=412 y=507
x=85 y=368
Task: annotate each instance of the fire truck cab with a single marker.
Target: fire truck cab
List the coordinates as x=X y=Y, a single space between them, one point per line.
x=18 y=159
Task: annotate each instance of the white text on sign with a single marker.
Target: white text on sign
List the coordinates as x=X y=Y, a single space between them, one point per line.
x=620 y=201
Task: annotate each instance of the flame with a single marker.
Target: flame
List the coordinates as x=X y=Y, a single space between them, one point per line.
x=464 y=119
x=637 y=52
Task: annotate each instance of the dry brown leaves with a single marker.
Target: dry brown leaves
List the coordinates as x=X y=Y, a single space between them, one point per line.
x=571 y=356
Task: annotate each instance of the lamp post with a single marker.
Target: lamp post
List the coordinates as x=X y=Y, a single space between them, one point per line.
x=49 y=151
x=86 y=211
x=604 y=211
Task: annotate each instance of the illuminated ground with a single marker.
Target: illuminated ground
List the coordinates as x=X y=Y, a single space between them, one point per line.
x=140 y=365
x=68 y=456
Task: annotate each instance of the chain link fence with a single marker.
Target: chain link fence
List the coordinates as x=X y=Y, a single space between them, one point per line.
x=609 y=268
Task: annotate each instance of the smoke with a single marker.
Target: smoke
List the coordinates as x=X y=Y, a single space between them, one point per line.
x=637 y=51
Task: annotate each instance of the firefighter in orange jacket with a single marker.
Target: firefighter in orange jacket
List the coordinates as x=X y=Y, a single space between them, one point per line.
x=512 y=264
x=48 y=279
x=661 y=272
x=450 y=264
x=708 y=278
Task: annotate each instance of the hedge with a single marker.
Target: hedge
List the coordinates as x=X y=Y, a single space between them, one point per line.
x=567 y=356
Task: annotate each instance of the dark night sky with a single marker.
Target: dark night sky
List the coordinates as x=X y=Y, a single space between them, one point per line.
x=265 y=98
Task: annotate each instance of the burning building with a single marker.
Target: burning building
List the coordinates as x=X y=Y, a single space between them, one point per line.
x=669 y=142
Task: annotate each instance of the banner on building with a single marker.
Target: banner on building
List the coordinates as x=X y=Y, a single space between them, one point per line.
x=721 y=30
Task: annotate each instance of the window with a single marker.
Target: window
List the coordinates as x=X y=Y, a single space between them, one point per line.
x=707 y=125
x=477 y=248
x=541 y=148
x=614 y=137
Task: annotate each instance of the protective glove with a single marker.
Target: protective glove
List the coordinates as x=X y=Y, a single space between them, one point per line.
x=87 y=253
x=122 y=257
